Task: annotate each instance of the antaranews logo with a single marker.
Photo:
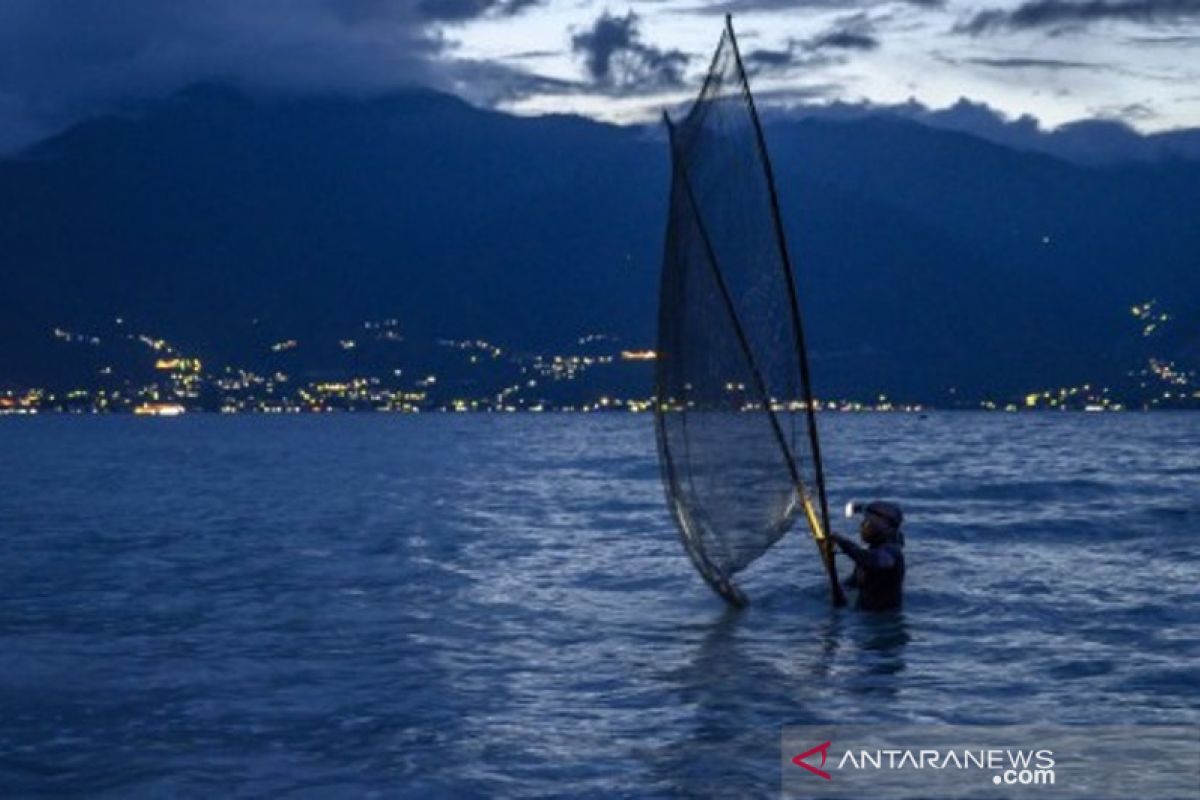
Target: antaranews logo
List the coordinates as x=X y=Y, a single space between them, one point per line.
x=990 y=762
x=1011 y=766
x=823 y=749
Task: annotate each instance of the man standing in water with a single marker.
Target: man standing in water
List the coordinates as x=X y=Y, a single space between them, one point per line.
x=878 y=568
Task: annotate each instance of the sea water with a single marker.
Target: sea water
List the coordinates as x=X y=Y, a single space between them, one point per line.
x=499 y=606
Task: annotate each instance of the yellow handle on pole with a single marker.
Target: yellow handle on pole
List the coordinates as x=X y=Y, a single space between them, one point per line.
x=824 y=543
x=814 y=522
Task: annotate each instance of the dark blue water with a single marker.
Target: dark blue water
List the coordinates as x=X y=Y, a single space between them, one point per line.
x=486 y=605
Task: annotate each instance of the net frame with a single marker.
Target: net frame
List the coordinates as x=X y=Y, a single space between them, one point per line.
x=689 y=507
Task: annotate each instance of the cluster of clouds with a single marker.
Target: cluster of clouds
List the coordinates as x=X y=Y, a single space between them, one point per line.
x=63 y=59
x=854 y=33
x=1059 y=16
x=616 y=56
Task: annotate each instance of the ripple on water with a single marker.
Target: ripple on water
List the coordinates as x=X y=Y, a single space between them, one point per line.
x=481 y=606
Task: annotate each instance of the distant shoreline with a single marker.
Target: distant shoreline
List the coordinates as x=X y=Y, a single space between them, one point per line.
x=556 y=411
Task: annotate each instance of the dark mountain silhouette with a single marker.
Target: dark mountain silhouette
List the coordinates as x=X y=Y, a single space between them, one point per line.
x=927 y=259
x=1089 y=141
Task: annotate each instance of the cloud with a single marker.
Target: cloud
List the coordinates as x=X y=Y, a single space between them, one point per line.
x=769 y=6
x=1183 y=40
x=797 y=55
x=62 y=60
x=765 y=59
x=491 y=83
x=1108 y=139
x=1127 y=112
x=846 y=39
x=426 y=10
x=462 y=10
x=1056 y=14
x=850 y=33
x=524 y=55
x=616 y=57
x=1031 y=63
x=781 y=103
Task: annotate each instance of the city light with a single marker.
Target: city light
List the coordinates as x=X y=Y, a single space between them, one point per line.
x=490 y=378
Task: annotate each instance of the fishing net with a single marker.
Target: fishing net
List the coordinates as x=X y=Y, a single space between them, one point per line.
x=732 y=406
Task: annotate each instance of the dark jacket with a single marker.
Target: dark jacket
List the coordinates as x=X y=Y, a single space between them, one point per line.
x=878 y=574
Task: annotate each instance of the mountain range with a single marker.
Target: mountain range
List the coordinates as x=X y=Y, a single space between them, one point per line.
x=929 y=259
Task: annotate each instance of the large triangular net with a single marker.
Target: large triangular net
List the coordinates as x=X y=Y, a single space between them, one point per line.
x=731 y=410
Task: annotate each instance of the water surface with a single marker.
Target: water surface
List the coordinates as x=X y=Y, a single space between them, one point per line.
x=498 y=606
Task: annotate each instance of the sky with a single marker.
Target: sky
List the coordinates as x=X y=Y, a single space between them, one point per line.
x=1058 y=61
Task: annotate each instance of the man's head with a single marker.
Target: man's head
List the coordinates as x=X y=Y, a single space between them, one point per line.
x=881 y=523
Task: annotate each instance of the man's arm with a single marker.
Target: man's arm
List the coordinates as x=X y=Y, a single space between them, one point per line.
x=869 y=560
x=857 y=554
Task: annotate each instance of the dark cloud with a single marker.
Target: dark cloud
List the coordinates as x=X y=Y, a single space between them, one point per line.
x=850 y=33
x=490 y=83
x=1128 y=112
x=760 y=6
x=764 y=59
x=1031 y=63
x=751 y=6
x=1090 y=141
x=1056 y=14
x=462 y=10
x=797 y=56
x=1182 y=40
x=448 y=11
x=529 y=54
x=61 y=60
x=846 y=40
x=616 y=57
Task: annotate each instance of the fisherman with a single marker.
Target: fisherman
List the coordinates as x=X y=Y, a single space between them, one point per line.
x=878 y=568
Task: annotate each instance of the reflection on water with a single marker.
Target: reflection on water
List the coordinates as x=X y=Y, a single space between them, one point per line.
x=500 y=606
x=880 y=640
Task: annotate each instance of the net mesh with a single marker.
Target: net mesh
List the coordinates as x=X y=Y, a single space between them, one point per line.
x=733 y=438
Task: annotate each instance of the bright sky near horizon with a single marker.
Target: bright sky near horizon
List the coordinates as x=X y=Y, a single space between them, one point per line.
x=1057 y=60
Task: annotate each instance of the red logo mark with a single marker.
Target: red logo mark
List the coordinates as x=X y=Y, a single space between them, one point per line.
x=823 y=749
